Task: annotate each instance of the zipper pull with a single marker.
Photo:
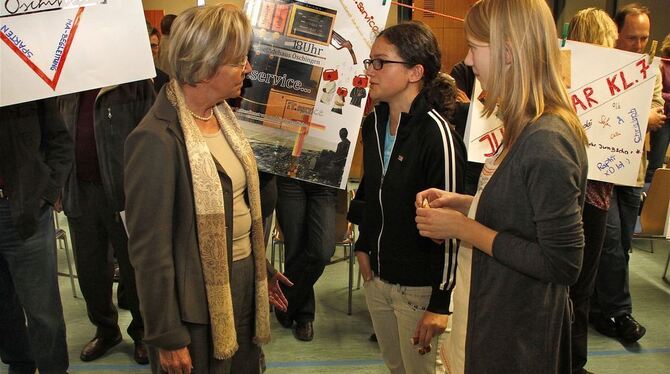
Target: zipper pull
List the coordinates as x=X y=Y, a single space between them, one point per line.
x=109 y=113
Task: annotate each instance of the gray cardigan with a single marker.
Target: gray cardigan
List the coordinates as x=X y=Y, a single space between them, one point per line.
x=519 y=315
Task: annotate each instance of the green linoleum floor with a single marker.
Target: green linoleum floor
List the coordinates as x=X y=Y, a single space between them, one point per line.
x=341 y=342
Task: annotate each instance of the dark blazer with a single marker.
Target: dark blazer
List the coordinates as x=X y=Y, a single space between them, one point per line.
x=36 y=155
x=162 y=235
x=160 y=215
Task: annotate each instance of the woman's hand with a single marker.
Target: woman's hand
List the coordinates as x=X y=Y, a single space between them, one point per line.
x=439 y=223
x=437 y=198
x=364 y=265
x=175 y=362
x=430 y=325
x=275 y=293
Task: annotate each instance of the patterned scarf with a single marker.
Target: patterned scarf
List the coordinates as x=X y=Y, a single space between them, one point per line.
x=211 y=225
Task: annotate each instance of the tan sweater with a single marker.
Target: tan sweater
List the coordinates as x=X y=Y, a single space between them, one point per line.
x=225 y=156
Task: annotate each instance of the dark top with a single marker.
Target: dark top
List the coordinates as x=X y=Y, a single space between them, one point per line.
x=117 y=111
x=36 y=155
x=519 y=315
x=464 y=77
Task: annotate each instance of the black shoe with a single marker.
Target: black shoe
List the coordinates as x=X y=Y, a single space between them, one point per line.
x=141 y=355
x=603 y=325
x=304 y=331
x=98 y=346
x=284 y=319
x=373 y=337
x=628 y=329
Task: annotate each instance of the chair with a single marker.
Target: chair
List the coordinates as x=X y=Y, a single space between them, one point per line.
x=344 y=237
x=654 y=219
x=63 y=243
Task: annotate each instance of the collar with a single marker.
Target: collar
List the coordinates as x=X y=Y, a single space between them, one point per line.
x=419 y=106
x=164 y=111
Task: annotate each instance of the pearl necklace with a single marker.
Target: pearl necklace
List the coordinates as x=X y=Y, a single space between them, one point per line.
x=207 y=118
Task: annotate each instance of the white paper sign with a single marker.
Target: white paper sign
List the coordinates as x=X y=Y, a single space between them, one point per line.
x=51 y=48
x=308 y=84
x=611 y=91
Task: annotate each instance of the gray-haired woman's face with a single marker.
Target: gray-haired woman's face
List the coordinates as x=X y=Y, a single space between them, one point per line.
x=228 y=79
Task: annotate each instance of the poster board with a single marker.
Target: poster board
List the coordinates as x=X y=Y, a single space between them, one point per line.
x=611 y=91
x=308 y=84
x=52 y=48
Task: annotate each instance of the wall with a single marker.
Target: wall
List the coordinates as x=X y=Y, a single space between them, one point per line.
x=177 y=6
x=449 y=32
x=169 y=6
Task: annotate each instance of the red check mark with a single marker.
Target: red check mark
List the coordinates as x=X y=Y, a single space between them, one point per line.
x=53 y=81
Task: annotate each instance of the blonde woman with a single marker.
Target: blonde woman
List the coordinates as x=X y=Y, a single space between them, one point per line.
x=193 y=208
x=591 y=25
x=521 y=234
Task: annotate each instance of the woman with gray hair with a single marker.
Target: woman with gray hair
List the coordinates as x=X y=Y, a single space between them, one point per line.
x=193 y=208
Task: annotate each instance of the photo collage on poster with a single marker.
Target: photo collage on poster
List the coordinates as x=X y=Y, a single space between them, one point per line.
x=303 y=101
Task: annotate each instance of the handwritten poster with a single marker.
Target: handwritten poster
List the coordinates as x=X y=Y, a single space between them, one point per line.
x=308 y=87
x=56 y=47
x=611 y=92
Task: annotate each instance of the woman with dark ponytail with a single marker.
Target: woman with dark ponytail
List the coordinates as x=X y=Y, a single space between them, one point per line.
x=409 y=146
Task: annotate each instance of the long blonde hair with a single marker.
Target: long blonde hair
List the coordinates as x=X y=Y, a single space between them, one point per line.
x=525 y=66
x=595 y=26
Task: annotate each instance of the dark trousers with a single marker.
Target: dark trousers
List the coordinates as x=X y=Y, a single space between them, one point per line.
x=306 y=215
x=247 y=357
x=595 y=221
x=29 y=284
x=612 y=295
x=91 y=232
x=658 y=140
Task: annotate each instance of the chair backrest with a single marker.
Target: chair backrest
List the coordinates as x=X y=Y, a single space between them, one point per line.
x=655 y=209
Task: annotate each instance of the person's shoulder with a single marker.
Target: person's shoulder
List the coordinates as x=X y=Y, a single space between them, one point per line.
x=550 y=125
x=151 y=126
x=435 y=125
x=143 y=87
x=550 y=135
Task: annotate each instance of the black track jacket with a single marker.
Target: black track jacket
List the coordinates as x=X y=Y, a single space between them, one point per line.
x=427 y=153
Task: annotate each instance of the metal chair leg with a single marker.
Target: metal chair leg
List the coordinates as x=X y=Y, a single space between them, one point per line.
x=61 y=236
x=665 y=272
x=351 y=277
x=68 y=257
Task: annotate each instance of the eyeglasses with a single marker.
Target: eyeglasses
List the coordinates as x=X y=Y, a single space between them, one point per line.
x=378 y=63
x=242 y=64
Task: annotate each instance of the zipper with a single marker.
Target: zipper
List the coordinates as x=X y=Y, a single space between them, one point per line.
x=109 y=117
x=381 y=185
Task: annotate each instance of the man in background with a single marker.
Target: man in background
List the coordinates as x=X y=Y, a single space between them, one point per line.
x=166 y=26
x=99 y=121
